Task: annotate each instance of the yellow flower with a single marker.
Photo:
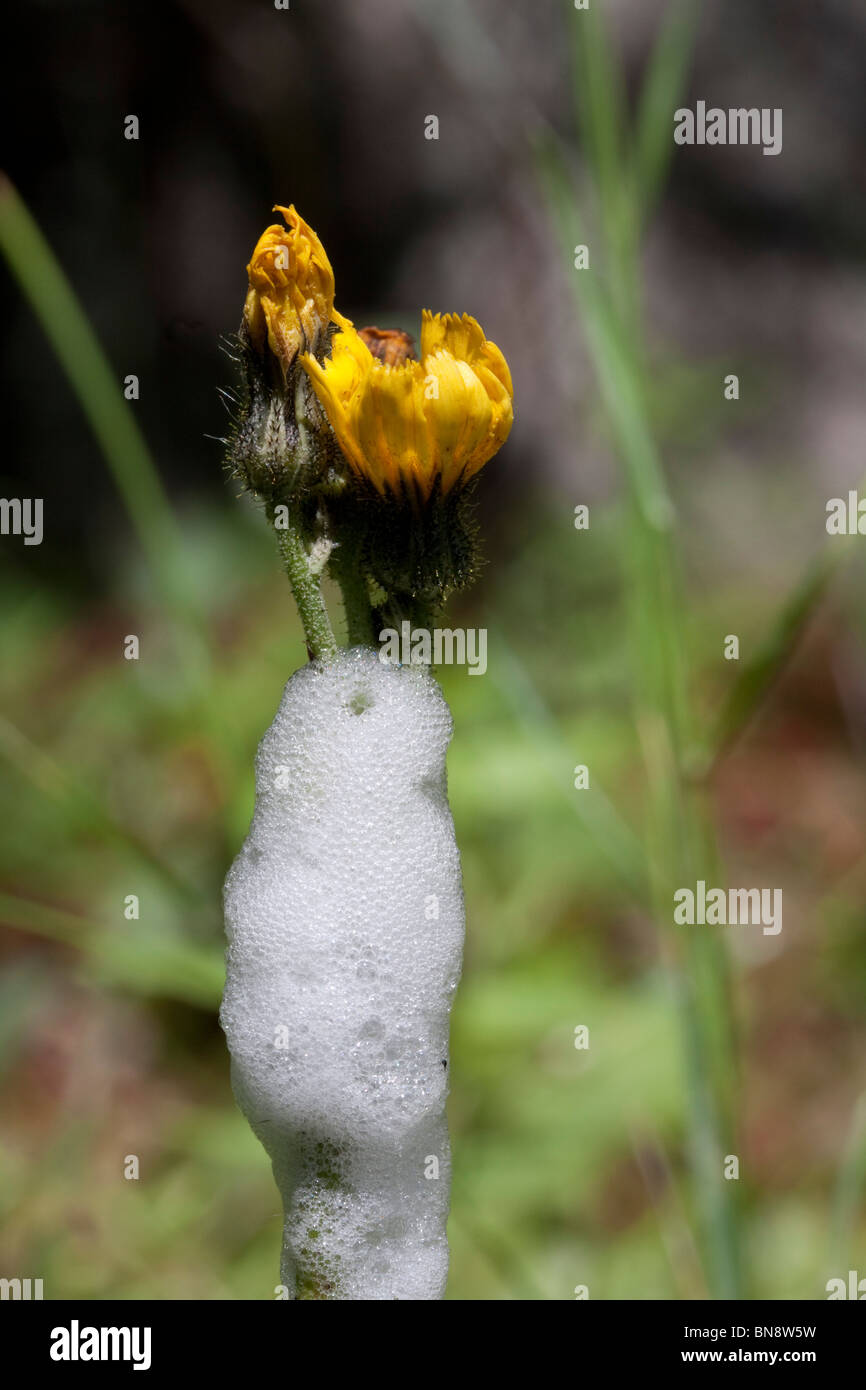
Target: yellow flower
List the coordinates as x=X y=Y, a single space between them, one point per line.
x=290 y=300
x=410 y=425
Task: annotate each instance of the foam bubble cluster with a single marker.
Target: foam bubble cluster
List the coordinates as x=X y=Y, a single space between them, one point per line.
x=344 y=915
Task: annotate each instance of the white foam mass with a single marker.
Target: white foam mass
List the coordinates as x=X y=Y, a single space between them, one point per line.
x=345 y=919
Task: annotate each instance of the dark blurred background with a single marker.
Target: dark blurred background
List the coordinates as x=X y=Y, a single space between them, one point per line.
x=124 y=780
x=241 y=107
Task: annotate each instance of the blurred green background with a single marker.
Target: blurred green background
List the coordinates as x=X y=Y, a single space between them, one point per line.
x=599 y=1167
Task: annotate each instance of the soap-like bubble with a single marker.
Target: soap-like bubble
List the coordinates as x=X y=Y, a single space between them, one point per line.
x=340 y=977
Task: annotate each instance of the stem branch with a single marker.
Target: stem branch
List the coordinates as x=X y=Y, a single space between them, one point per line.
x=346 y=569
x=307 y=593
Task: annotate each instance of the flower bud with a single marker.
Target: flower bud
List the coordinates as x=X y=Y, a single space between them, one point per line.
x=290 y=299
x=281 y=446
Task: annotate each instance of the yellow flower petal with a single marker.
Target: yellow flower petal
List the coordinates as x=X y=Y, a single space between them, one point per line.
x=416 y=425
x=290 y=300
x=463 y=337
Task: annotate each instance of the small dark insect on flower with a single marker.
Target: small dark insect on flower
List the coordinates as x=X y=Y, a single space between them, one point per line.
x=391 y=345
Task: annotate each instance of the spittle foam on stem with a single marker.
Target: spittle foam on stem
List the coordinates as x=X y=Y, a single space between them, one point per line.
x=344 y=915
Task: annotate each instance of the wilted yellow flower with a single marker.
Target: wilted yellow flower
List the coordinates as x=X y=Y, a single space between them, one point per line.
x=409 y=425
x=291 y=295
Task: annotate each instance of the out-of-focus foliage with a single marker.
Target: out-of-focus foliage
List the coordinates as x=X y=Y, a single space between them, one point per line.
x=127 y=778
x=570 y=1166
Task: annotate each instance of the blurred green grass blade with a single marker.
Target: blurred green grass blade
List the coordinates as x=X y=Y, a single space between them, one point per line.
x=97 y=388
x=600 y=105
x=599 y=99
x=618 y=376
x=678 y=836
x=127 y=957
x=757 y=676
x=663 y=85
x=663 y=1191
